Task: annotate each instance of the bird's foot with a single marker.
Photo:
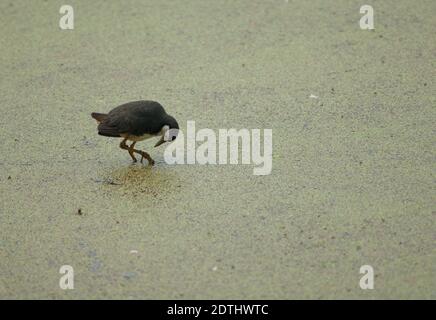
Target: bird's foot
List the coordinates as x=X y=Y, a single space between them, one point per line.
x=146 y=156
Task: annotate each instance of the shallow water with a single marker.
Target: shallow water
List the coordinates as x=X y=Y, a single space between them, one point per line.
x=353 y=170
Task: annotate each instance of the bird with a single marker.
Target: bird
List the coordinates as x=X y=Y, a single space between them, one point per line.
x=136 y=121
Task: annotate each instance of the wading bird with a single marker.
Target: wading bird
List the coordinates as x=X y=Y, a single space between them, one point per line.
x=136 y=121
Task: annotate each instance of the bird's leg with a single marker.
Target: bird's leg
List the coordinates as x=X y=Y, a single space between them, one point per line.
x=123 y=145
x=147 y=156
x=131 y=151
x=143 y=155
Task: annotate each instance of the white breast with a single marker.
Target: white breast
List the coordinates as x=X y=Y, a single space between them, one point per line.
x=146 y=136
x=137 y=138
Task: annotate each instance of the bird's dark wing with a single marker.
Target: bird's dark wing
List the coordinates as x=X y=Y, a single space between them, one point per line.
x=106 y=129
x=135 y=118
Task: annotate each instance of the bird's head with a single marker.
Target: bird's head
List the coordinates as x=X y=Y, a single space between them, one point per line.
x=169 y=131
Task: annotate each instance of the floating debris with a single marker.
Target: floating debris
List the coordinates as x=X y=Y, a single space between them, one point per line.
x=107 y=181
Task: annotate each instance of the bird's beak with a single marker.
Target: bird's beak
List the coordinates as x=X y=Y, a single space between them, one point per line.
x=162 y=140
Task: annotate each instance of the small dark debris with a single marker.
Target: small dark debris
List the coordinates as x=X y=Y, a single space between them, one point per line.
x=79 y=212
x=9 y=178
x=243 y=65
x=358 y=248
x=113 y=183
x=425 y=84
x=360 y=162
x=106 y=181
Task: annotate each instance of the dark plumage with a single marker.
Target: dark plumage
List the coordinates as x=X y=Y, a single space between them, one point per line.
x=136 y=121
x=134 y=118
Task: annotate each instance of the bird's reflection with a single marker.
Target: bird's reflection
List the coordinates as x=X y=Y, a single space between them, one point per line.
x=136 y=179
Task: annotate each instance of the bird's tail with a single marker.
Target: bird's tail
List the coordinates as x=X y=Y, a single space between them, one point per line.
x=99 y=116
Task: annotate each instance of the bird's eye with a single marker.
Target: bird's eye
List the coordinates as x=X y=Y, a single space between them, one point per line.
x=173 y=138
